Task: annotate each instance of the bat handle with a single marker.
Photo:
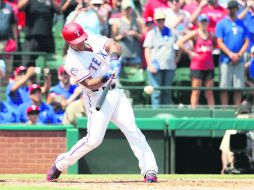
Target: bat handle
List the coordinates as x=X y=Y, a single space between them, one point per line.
x=104 y=94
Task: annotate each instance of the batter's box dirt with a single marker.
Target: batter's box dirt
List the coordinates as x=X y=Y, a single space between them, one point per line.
x=128 y=182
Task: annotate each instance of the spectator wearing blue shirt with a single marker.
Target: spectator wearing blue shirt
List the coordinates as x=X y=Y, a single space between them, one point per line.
x=63 y=88
x=247 y=15
x=233 y=40
x=7 y=113
x=62 y=94
x=17 y=90
x=47 y=114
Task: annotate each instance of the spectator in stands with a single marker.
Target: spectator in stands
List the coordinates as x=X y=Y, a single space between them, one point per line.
x=233 y=40
x=247 y=15
x=7 y=113
x=17 y=90
x=249 y=70
x=8 y=24
x=152 y=6
x=39 y=23
x=73 y=111
x=138 y=8
x=33 y=112
x=177 y=19
x=115 y=14
x=8 y=33
x=2 y=69
x=87 y=17
x=47 y=114
x=67 y=6
x=102 y=11
x=191 y=5
x=128 y=32
x=62 y=94
x=161 y=59
x=149 y=25
x=202 y=66
x=213 y=10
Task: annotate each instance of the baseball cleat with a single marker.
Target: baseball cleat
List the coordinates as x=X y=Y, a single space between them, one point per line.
x=150 y=177
x=53 y=174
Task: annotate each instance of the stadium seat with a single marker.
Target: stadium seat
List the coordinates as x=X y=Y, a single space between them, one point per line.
x=182 y=74
x=134 y=76
x=131 y=75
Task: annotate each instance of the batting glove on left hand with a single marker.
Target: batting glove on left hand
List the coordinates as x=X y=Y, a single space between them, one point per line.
x=115 y=67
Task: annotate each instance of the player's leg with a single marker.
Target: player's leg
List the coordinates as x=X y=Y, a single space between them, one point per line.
x=96 y=128
x=123 y=117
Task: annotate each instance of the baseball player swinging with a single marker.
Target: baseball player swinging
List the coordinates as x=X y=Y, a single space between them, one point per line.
x=91 y=61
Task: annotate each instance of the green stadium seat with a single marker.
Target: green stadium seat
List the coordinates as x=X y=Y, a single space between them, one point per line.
x=182 y=74
x=216 y=75
x=132 y=75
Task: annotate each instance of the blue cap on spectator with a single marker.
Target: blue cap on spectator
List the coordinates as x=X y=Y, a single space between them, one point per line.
x=203 y=17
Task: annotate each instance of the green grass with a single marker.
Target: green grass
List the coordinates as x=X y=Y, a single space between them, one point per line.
x=38 y=182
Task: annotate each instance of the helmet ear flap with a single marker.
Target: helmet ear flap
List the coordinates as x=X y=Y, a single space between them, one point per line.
x=73 y=33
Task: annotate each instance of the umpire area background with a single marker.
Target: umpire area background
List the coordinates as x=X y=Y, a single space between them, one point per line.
x=193 y=155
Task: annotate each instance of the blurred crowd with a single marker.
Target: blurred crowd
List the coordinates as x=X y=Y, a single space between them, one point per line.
x=158 y=36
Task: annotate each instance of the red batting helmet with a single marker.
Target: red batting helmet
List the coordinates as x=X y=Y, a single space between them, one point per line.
x=73 y=33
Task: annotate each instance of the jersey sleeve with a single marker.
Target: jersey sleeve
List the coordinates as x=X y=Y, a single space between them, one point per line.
x=76 y=69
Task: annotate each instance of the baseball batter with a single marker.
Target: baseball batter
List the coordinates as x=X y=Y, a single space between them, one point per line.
x=91 y=61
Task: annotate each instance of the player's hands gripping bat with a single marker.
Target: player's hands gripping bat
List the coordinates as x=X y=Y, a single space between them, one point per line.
x=115 y=69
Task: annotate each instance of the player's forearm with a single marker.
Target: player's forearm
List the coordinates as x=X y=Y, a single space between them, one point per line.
x=93 y=83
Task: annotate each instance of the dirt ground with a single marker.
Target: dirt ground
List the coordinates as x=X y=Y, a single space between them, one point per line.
x=136 y=184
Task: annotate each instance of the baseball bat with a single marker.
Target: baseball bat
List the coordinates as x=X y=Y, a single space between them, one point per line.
x=104 y=94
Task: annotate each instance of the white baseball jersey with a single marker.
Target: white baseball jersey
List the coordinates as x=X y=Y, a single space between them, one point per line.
x=83 y=64
x=116 y=108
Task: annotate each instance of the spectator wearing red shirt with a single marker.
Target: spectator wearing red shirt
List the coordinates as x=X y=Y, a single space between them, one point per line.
x=153 y=5
x=213 y=10
x=191 y=5
x=202 y=66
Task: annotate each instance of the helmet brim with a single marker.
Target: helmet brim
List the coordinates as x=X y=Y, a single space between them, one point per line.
x=78 y=40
